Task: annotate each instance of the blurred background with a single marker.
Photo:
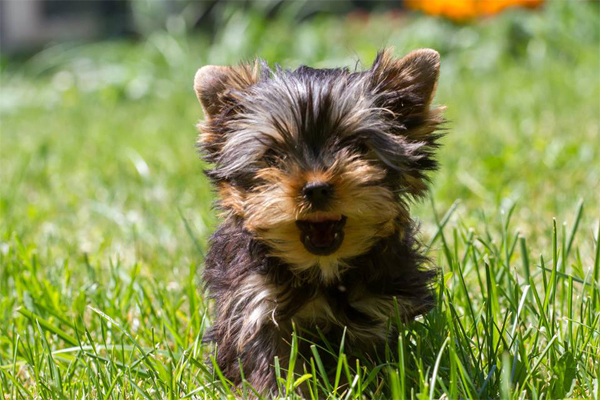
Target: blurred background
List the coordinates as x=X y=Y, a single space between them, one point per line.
x=97 y=110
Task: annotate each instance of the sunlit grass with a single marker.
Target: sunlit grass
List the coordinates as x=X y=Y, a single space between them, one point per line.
x=104 y=212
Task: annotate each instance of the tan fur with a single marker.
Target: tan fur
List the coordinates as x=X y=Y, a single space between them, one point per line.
x=232 y=199
x=272 y=209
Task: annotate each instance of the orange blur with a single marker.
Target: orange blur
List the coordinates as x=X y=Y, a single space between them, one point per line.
x=462 y=10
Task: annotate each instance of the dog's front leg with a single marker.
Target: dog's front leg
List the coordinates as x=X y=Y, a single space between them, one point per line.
x=248 y=334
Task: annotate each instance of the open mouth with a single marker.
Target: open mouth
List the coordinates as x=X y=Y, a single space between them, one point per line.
x=322 y=234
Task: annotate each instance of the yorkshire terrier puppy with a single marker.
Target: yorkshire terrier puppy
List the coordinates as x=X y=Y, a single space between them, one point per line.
x=315 y=170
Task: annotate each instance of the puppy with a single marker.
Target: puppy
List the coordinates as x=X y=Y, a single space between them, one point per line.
x=315 y=170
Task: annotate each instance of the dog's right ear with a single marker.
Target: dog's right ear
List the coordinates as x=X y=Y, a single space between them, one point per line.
x=213 y=83
x=209 y=83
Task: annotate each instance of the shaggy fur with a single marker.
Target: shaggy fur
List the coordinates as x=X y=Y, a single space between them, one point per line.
x=315 y=170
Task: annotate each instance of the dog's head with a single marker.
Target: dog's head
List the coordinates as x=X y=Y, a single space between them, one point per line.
x=320 y=163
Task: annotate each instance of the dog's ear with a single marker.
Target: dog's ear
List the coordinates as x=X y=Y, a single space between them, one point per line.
x=209 y=83
x=213 y=83
x=406 y=86
x=405 y=89
x=217 y=89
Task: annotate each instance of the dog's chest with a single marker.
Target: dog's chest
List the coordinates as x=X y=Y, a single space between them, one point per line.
x=315 y=309
x=363 y=313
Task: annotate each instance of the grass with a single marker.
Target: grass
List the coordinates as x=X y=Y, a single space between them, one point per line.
x=104 y=212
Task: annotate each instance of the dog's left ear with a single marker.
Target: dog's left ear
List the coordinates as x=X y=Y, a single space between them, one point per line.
x=406 y=86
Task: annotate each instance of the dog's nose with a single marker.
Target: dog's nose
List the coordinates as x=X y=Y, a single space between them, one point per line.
x=318 y=193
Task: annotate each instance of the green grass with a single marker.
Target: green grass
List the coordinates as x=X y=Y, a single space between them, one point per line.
x=104 y=211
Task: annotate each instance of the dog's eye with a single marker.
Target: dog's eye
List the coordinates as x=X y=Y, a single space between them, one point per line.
x=270 y=158
x=362 y=148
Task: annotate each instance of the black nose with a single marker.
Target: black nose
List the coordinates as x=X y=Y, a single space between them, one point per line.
x=318 y=193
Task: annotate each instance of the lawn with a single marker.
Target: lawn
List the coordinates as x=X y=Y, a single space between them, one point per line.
x=105 y=212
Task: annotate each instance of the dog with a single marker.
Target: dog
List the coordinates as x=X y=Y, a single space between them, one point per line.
x=315 y=171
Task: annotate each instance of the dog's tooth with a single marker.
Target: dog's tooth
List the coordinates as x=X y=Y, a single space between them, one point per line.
x=305 y=239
